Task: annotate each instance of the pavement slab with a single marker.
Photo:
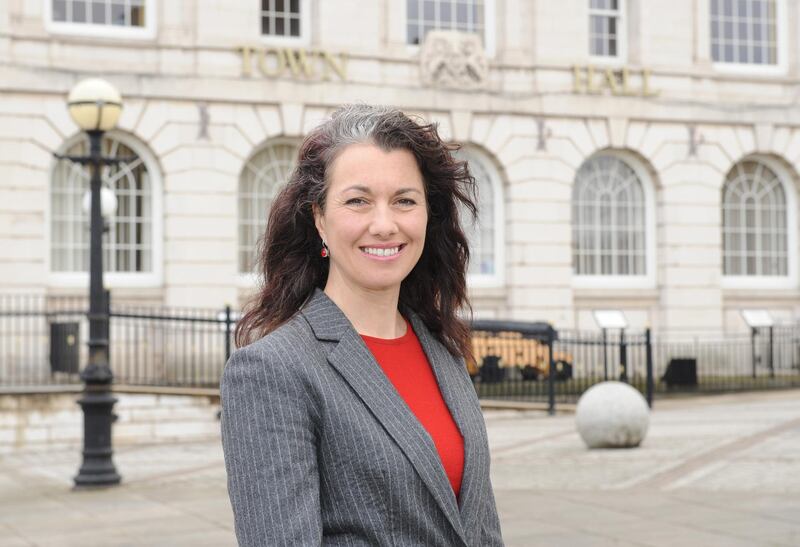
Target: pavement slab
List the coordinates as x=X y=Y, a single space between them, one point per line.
x=721 y=470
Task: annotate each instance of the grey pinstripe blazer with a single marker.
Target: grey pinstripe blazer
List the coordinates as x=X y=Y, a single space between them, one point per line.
x=321 y=449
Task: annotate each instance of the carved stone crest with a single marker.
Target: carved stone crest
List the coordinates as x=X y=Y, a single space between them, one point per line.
x=454 y=60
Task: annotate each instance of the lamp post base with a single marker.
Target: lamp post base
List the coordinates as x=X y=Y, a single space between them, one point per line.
x=98 y=466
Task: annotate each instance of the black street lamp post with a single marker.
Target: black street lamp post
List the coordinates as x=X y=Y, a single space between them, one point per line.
x=95 y=106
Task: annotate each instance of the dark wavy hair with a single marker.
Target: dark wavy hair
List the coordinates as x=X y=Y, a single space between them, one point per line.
x=289 y=262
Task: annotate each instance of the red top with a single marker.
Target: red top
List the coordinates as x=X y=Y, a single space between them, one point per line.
x=405 y=364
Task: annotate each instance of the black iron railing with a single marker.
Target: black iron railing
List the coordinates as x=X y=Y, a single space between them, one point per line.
x=42 y=338
x=42 y=343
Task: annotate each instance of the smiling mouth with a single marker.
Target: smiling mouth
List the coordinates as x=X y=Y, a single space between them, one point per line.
x=382 y=252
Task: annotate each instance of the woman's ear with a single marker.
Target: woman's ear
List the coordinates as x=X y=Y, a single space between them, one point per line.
x=319 y=220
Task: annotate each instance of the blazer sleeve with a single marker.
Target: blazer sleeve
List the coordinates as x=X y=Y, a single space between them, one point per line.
x=269 y=443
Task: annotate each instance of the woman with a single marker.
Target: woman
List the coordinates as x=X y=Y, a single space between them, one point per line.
x=350 y=419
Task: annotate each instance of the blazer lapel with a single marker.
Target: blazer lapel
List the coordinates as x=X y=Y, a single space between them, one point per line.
x=451 y=376
x=355 y=363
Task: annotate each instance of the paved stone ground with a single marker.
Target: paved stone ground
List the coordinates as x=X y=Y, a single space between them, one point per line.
x=719 y=470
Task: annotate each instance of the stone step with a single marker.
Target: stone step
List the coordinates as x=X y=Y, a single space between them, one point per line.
x=36 y=421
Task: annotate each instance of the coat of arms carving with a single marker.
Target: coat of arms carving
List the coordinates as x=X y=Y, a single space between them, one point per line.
x=454 y=60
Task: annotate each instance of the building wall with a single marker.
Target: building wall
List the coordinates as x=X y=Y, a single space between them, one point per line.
x=188 y=101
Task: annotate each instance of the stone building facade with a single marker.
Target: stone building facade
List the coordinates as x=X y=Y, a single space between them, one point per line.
x=631 y=155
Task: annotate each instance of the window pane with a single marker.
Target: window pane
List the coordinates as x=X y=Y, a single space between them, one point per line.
x=429 y=10
x=608 y=205
x=477 y=15
x=597 y=24
x=263 y=175
x=754 y=221
x=413 y=34
x=728 y=57
x=412 y=7
x=481 y=233
x=59 y=10
x=460 y=15
x=79 y=11
x=99 y=13
x=118 y=14
x=281 y=17
x=445 y=15
x=126 y=228
x=727 y=7
x=741 y=31
x=137 y=16
x=742 y=8
x=758 y=55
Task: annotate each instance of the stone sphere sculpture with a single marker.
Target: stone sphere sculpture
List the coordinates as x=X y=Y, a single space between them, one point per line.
x=612 y=415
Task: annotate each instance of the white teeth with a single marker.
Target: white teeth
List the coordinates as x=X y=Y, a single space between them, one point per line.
x=382 y=252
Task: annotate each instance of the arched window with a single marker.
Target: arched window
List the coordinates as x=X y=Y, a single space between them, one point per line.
x=754 y=222
x=263 y=175
x=485 y=236
x=129 y=241
x=608 y=219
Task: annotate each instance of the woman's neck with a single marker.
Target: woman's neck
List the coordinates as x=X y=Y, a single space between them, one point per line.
x=372 y=313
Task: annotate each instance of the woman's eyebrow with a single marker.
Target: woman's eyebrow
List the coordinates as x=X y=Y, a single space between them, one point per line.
x=366 y=190
x=358 y=188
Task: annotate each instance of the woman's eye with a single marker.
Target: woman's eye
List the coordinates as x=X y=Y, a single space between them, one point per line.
x=406 y=202
x=355 y=201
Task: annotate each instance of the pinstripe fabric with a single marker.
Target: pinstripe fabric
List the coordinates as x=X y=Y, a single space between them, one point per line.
x=321 y=449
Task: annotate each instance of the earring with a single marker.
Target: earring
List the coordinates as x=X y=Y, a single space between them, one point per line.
x=324 y=253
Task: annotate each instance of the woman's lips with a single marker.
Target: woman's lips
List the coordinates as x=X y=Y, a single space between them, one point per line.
x=382 y=252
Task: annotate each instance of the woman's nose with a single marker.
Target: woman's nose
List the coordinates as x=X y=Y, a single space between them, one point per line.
x=383 y=222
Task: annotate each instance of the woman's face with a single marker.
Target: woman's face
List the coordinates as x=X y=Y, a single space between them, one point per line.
x=374 y=219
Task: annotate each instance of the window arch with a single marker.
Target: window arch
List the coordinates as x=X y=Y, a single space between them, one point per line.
x=261 y=178
x=755 y=235
x=485 y=236
x=609 y=219
x=130 y=244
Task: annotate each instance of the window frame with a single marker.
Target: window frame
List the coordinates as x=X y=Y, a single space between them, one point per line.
x=248 y=280
x=768 y=282
x=289 y=41
x=622 y=36
x=489 y=38
x=781 y=48
x=648 y=279
x=92 y=30
x=496 y=279
x=154 y=278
